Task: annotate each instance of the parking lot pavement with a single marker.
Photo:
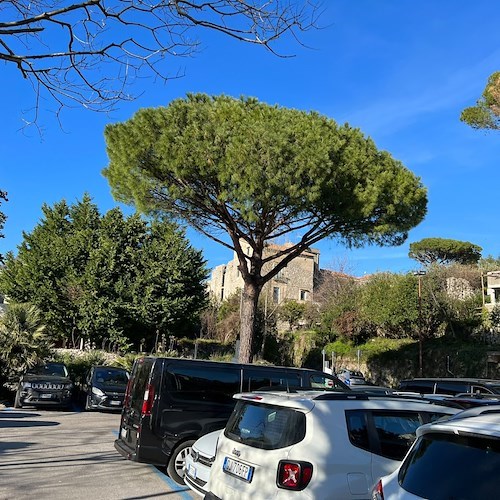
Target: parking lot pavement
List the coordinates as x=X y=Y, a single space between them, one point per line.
x=49 y=454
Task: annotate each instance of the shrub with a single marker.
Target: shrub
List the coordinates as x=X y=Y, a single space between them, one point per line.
x=80 y=362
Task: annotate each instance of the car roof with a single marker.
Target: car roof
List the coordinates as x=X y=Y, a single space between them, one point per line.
x=307 y=400
x=478 y=421
x=454 y=379
x=108 y=367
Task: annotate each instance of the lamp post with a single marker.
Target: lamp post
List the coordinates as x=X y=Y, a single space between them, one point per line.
x=419 y=274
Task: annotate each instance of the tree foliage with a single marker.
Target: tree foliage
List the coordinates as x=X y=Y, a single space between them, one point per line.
x=107 y=279
x=292 y=312
x=244 y=173
x=444 y=251
x=23 y=342
x=90 y=52
x=486 y=113
x=489 y=263
x=339 y=296
x=3 y=218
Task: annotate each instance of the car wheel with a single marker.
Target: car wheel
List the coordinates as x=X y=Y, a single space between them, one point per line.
x=17 y=400
x=175 y=468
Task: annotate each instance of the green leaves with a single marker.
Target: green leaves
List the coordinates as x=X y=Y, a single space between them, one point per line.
x=444 y=251
x=486 y=113
x=23 y=342
x=258 y=172
x=247 y=167
x=107 y=279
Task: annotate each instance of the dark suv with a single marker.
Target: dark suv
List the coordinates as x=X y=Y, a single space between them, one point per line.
x=45 y=385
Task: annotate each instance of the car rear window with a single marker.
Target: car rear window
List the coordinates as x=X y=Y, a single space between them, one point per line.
x=444 y=466
x=140 y=378
x=265 y=426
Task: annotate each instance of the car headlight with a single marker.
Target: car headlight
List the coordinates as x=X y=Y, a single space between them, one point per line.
x=97 y=391
x=26 y=385
x=68 y=387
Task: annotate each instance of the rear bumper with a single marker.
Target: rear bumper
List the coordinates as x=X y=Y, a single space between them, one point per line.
x=142 y=454
x=125 y=451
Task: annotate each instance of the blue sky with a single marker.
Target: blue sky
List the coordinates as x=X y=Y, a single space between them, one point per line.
x=399 y=70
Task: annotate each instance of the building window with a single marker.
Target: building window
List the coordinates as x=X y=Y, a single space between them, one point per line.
x=304 y=295
x=276 y=294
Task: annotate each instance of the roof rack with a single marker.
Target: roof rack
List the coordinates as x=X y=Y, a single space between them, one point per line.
x=475 y=411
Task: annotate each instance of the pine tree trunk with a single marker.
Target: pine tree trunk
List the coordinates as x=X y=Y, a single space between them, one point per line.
x=249 y=299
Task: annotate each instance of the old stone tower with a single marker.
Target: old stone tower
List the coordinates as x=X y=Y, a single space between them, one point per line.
x=296 y=281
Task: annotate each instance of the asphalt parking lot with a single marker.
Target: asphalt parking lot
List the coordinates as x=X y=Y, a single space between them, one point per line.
x=70 y=454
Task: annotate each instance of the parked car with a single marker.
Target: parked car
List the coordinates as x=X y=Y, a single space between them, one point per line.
x=451 y=386
x=171 y=402
x=314 y=445
x=473 y=400
x=199 y=462
x=104 y=388
x=372 y=389
x=45 y=385
x=458 y=458
x=351 y=377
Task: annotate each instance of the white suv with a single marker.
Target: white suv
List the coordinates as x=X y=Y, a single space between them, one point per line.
x=458 y=458
x=315 y=445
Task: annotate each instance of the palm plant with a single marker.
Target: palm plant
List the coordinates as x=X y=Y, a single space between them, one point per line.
x=22 y=340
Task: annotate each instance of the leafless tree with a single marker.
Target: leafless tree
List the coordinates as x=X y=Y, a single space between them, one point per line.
x=88 y=53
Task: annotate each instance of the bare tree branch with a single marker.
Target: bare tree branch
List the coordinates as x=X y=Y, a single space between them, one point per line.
x=88 y=53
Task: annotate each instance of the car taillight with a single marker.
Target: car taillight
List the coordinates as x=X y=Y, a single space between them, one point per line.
x=378 y=491
x=294 y=475
x=147 y=404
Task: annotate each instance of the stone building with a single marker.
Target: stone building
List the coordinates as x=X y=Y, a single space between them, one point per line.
x=493 y=288
x=296 y=281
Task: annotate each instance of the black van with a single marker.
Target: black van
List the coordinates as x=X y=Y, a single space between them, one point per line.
x=451 y=386
x=171 y=402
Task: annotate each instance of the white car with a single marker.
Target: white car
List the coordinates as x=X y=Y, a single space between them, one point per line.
x=199 y=462
x=314 y=445
x=351 y=377
x=458 y=458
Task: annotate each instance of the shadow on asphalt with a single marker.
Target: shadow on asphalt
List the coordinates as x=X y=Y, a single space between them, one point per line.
x=17 y=414
x=13 y=445
x=7 y=424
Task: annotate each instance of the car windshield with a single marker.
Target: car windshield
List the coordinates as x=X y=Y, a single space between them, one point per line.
x=111 y=376
x=50 y=369
x=446 y=466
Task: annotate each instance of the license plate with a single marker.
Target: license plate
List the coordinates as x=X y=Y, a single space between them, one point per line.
x=123 y=433
x=45 y=396
x=237 y=469
x=116 y=403
x=191 y=471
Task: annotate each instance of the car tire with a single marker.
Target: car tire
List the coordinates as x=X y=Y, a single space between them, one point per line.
x=175 y=467
x=17 y=400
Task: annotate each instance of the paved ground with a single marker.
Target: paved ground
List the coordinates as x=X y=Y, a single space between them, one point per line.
x=60 y=455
